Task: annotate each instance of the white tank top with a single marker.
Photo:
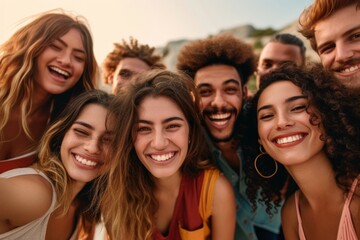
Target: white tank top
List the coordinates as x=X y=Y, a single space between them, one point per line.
x=36 y=229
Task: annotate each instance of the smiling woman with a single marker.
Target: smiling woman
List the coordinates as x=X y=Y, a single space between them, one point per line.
x=307 y=122
x=49 y=199
x=160 y=166
x=42 y=67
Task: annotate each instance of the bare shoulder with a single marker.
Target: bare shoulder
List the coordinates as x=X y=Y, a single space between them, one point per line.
x=289 y=218
x=224 y=210
x=24 y=198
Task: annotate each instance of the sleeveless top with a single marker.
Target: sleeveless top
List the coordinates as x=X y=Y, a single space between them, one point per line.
x=346 y=230
x=35 y=229
x=192 y=210
x=17 y=162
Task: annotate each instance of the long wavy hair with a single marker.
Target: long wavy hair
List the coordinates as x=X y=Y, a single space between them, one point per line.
x=18 y=56
x=334 y=111
x=129 y=204
x=49 y=158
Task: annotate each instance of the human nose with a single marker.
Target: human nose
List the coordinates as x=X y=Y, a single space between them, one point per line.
x=65 y=58
x=159 y=141
x=284 y=121
x=218 y=100
x=343 y=52
x=92 y=146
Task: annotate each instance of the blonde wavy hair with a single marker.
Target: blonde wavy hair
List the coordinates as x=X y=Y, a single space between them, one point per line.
x=49 y=159
x=18 y=56
x=129 y=204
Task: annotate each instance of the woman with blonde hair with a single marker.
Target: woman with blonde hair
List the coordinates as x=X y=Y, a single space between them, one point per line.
x=160 y=185
x=59 y=194
x=42 y=66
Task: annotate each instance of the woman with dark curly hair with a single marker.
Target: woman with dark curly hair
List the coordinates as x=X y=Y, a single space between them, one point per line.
x=161 y=187
x=307 y=136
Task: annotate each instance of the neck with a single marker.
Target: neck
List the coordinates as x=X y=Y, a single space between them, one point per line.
x=316 y=180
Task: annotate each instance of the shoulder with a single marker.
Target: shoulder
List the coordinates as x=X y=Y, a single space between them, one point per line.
x=223 y=191
x=24 y=198
x=289 y=218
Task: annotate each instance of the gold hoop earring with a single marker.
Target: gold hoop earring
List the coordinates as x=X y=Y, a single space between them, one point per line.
x=262 y=154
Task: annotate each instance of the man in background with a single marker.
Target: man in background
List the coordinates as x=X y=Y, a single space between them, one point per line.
x=281 y=49
x=128 y=59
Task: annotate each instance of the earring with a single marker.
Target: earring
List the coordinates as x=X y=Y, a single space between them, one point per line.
x=264 y=154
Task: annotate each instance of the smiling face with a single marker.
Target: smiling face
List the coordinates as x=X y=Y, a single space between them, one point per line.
x=284 y=127
x=61 y=64
x=162 y=136
x=221 y=99
x=85 y=144
x=338 y=43
x=126 y=69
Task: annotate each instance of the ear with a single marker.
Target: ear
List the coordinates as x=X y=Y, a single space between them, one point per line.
x=245 y=91
x=259 y=141
x=110 y=78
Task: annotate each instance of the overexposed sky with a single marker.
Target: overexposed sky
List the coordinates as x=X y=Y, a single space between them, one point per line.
x=155 y=22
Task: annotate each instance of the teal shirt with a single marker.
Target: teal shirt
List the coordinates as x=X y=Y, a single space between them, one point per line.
x=246 y=219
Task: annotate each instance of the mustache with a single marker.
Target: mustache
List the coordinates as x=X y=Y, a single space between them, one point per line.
x=338 y=66
x=214 y=110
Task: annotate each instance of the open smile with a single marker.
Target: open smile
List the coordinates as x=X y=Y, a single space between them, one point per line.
x=289 y=140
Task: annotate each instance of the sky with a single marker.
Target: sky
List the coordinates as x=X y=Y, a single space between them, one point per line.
x=155 y=22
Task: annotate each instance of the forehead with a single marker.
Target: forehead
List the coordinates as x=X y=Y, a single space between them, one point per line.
x=93 y=114
x=280 y=51
x=279 y=91
x=216 y=75
x=133 y=64
x=337 y=24
x=159 y=107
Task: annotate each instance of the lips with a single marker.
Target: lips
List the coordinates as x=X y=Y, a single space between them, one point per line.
x=219 y=119
x=59 y=72
x=162 y=157
x=85 y=161
x=289 y=139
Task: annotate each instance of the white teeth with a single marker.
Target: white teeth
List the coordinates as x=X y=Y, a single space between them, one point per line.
x=350 y=69
x=162 y=157
x=221 y=123
x=85 y=161
x=220 y=116
x=289 y=139
x=59 y=71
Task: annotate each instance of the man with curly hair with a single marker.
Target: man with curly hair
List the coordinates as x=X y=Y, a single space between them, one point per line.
x=127 y=59
x=333 y=28
x=220 y=67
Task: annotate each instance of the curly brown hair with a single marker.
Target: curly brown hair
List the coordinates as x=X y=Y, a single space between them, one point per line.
x=132 y=49
x=335 y=108
x=318 y=11
x=219 y=49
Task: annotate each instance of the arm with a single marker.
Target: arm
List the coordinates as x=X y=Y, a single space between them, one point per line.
x=289 y=219
x=224 y=211
x=24 y=199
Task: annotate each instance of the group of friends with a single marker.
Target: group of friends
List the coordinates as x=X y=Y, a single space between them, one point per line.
x=185 y=154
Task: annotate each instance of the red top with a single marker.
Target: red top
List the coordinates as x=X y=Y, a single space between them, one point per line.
x=186 y=212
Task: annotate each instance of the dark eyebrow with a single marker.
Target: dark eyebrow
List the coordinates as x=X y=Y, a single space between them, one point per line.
x=84 y=124
x=344 y=34
x=75 y=49
x=291 y=99
x=164 y=121
x=224 y=83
